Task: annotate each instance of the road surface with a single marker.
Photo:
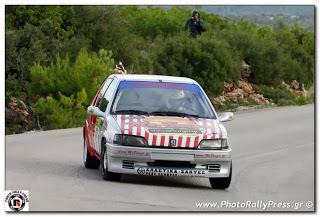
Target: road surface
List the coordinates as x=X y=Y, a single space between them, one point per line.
x=273 y=162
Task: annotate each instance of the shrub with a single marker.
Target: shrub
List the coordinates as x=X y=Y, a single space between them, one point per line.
x=207 y=60
x=301 y=101
x=65 y=89
x=86 y=72
x=285 y=102
x=58 y=114
x=279 y=94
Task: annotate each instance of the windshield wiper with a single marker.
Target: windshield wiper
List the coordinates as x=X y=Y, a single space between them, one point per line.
x=158 y=113
x=130 y=111
x=181 y=114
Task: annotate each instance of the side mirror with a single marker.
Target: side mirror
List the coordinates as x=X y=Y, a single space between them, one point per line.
x=226 y=116
x=95 y=111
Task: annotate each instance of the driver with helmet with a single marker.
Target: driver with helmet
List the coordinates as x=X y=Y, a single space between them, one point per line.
x=174 y=101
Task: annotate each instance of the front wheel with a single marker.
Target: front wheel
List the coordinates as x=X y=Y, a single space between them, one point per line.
x=221 y=183
x=106 y=175
x=88 y=160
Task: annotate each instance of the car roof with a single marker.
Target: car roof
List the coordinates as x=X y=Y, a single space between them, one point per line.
x=143 y=77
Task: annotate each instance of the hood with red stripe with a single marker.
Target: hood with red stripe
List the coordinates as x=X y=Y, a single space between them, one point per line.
x=168 y=131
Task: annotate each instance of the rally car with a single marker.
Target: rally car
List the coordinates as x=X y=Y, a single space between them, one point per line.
x=157 y=126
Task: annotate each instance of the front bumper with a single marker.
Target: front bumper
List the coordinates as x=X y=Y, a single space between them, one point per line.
x=145 y=161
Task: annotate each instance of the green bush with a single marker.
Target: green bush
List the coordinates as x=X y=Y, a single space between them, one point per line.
x=301 y=101
x=54 y=114
x=88 y=72
x=279 y=94
x=285 y=102
x=207 y=60
x=65 y=89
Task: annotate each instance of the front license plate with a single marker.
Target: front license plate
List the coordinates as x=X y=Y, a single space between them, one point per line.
x=174 y=157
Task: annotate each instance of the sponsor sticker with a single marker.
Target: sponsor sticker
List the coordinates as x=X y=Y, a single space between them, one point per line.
x=163 y=85
x=136 y=153
x=164 y=125
x=16 y=200
x=209 y=155
x=169 y=172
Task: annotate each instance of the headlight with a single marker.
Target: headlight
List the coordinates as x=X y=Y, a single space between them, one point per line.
x=213 y=144
x=129 y=140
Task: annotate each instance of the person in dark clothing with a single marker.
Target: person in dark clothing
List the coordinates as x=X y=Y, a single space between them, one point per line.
x=196 y=24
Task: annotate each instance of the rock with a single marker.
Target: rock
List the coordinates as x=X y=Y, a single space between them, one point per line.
x=247 y=88
x=12 y=116
x=242 y=108
x=266 y=102
x=245 y=73
x=18 y=106
x=259 y=96
x=228 y=87
x=222 y=99
x=285 y=84
x=245 y=65
x=237 y=93
x=304 y=91
x=294 y=85
x=258 y=101
x=298 y=93
x=296 y=89
x=17 y=113
x=234 y=100
x=248 y=108
x=240 y=91
x=218 y=101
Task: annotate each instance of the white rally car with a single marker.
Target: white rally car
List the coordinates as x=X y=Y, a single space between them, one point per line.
x=158 y=126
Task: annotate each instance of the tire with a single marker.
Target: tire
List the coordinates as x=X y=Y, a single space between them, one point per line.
x=221 y=183
x=106 y=175
x=89 y=161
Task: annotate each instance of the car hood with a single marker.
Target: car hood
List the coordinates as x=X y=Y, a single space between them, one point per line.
x=167 y=131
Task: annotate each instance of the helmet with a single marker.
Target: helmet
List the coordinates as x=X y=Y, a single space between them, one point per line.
x=175 y=99
x=176 y=94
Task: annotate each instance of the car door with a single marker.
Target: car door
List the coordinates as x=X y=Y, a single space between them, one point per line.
x=99 y=124
x=92 y=119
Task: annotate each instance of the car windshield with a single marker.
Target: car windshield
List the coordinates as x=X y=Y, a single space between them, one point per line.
x=160 y=98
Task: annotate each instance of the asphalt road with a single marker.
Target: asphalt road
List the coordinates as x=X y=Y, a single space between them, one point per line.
x=273 y=161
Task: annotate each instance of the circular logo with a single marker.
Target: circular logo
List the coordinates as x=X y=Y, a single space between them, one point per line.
x=309 y=204
x=16 y=202
x=173 y=142
x=141 y=171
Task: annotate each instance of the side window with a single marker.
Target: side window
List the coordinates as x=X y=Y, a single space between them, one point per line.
x=103 y=90
x=107 y=96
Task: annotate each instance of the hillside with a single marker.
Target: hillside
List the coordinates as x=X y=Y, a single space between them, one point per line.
x=264 y=15
x=58 y=56
x=307 y=10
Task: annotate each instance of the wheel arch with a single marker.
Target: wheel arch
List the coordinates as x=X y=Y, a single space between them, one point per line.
x=103 y=140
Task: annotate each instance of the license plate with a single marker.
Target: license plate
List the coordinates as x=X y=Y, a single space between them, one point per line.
x=173 y=157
